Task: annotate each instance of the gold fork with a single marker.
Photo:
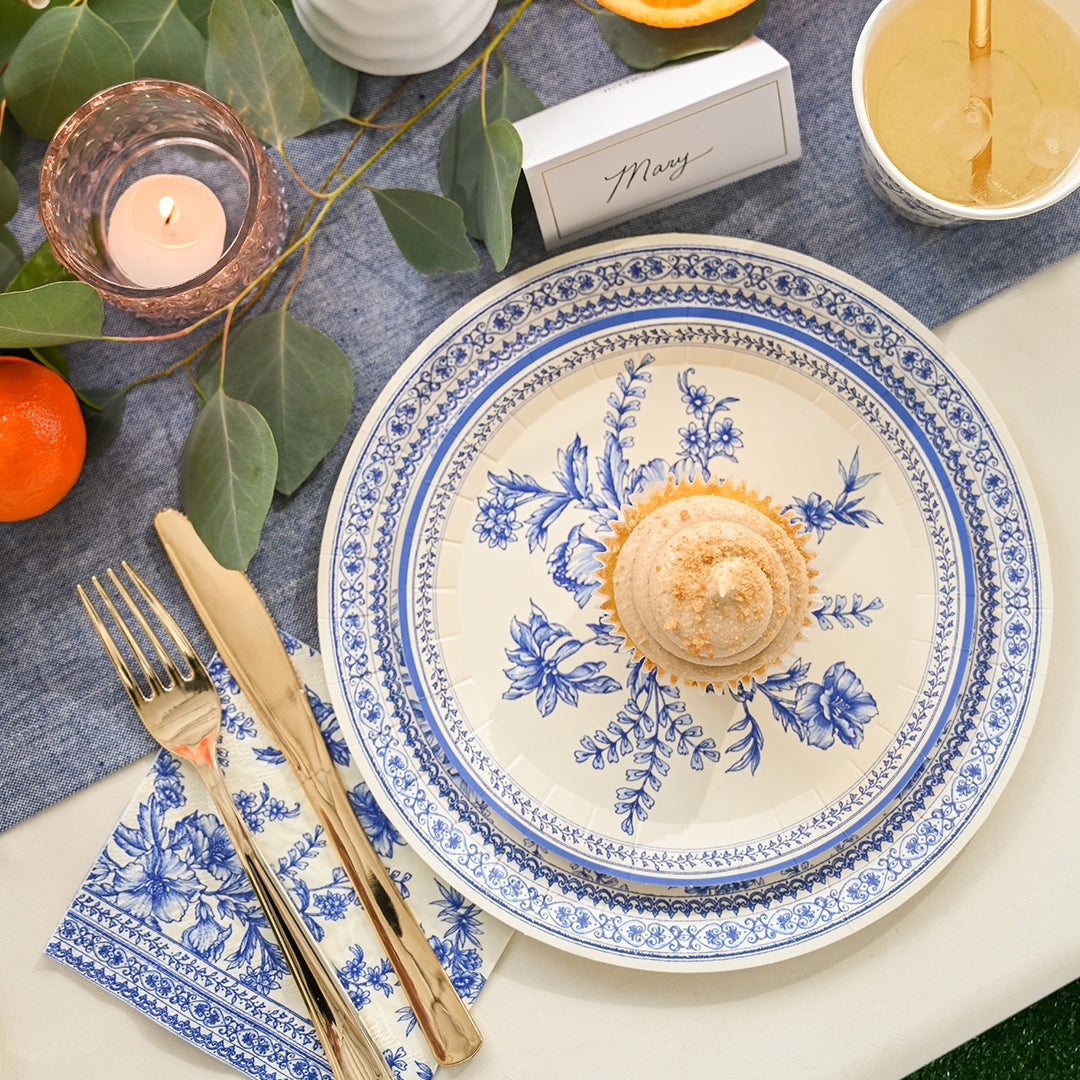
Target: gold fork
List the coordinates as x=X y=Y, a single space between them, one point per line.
x=184 y=715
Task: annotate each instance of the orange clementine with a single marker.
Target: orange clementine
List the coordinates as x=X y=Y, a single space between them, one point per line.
x=42 y=438
x=674 y=13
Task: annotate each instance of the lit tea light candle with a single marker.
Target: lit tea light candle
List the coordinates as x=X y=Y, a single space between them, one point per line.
x=166 y=229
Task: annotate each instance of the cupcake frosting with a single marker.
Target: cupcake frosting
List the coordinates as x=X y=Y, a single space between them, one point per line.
x=707 y=582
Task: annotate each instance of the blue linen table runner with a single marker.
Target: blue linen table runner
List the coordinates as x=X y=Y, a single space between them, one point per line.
x=63 y=719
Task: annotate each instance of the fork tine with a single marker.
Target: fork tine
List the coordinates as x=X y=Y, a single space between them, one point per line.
x=169 y=625
x=127 y=677
x=151 y=636
x=151 y=676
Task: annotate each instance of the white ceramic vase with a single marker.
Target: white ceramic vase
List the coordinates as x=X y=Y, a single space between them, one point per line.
x=394 y=37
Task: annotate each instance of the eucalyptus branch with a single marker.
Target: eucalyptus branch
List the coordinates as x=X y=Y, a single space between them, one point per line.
x=358 y=121
x=224 y=345
x=347 y=152
x=299 y=274
x=298 y=178
x=163 y=373
x=483 y=86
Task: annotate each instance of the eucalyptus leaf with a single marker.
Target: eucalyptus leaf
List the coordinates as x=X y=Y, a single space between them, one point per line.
x=9 y=193
x=648 y=47
x=9 y=263
x=164 y=43
x=335 y=83
x=15 y=20
x=7 y=240
x=50 y=315
x=499 y=174
x=428 y=229
x=52 y=356
x=227 y=471
x=198 y=13
x=462 y=143
x=103 y=422
x=67 y=56
x=254 y=65
x=9 y=145
x=40 y=269
x=299 y=380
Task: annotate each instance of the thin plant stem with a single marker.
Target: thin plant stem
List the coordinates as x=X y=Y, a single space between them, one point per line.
x=298 y=178
x=296 y=279
x=224 y=344
x=483 y=89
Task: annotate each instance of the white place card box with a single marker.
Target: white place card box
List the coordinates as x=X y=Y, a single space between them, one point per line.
x=657 y=137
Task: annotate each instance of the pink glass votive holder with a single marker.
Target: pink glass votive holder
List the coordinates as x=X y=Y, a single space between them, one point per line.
x=146 y=128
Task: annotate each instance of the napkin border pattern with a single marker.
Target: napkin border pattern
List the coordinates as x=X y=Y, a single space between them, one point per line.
x=168 y=984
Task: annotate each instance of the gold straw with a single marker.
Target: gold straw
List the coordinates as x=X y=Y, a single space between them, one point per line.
x=979 y=47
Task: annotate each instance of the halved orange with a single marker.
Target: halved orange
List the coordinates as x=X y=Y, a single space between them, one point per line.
x=673 y=13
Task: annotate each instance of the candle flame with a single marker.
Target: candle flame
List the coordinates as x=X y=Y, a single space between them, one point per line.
x=167 y=208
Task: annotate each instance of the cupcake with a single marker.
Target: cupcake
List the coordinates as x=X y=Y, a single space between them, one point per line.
x=706 y=581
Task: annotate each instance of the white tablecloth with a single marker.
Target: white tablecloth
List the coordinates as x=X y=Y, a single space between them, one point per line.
x=993 y=933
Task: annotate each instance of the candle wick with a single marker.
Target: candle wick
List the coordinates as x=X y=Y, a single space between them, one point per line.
x=167 y=208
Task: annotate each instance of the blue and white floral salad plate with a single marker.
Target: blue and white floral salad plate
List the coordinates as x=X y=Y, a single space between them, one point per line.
x=502 y=722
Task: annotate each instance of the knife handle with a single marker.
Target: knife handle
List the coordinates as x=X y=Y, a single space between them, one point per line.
x=349 y=1047
x=440 y=1012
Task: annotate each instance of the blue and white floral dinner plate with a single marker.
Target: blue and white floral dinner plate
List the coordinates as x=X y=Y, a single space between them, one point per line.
x=521 y=747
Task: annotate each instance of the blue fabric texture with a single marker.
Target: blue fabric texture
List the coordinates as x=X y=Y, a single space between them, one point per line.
x=64 y=721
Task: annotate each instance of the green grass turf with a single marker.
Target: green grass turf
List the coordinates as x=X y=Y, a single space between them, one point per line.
x=1040 y=1043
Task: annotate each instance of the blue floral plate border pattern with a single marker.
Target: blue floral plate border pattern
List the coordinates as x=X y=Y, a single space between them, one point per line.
x=603 y=916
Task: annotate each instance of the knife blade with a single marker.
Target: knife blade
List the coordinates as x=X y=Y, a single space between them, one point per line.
x=248 y=640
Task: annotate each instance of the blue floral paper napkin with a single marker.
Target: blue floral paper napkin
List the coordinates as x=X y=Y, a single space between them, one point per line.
x=166 y=919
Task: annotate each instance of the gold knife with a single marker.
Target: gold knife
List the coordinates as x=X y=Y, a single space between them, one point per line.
x=249 y=643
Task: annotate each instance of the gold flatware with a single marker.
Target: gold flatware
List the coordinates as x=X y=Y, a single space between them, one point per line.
x=249 y=643
x=184 y=715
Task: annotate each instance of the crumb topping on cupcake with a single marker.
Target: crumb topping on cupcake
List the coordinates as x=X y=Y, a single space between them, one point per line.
x=707 y=581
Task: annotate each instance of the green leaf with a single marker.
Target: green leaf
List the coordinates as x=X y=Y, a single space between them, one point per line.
x=254 y=65
x=9 y=261
x=9 y=145
x=9 y=194
x=50 y=315
x=648 y=47
x=508 y=98
x=428 y=229
x=500 y=169
x=68 y=55
x=163 y=41
x=198 y=13
x=102 y=423
x=52 y=356
x=40 y=269
x=335 y=83
x=299 y=380
x=11 y=244
x=227 y=471
x=15 y=20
